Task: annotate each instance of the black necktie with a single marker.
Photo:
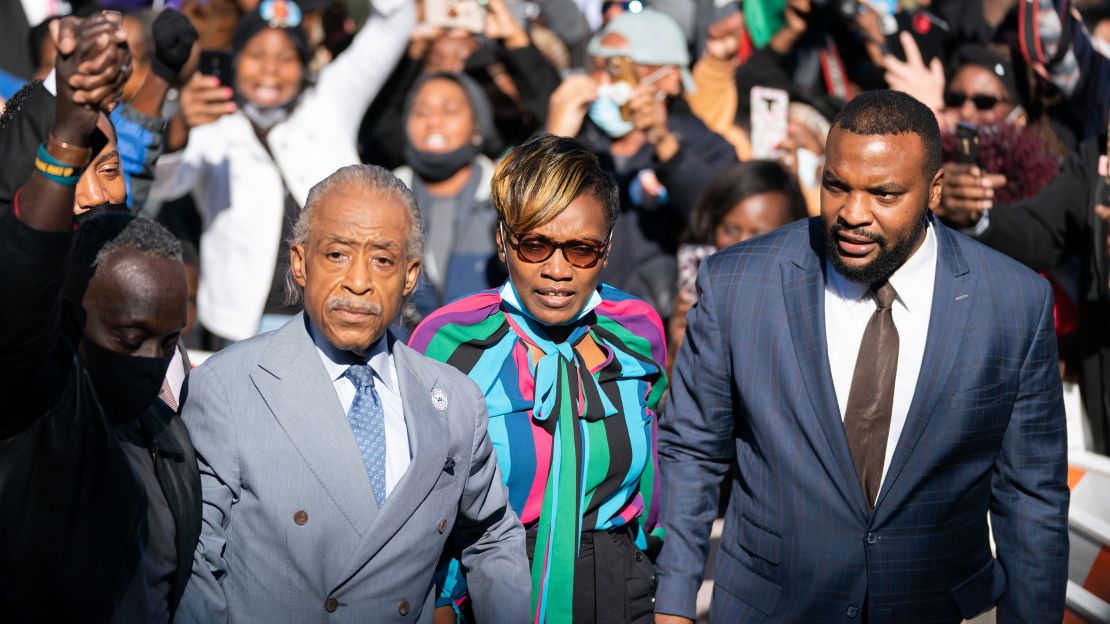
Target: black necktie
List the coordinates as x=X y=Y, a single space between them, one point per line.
x=867 y=418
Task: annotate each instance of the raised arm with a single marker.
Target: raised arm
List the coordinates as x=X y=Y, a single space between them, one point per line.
x=139 y=125
x=348 y=84
x=35 y=236
x=695 y=450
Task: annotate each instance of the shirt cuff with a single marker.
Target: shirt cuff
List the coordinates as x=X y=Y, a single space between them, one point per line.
x=677 y=596
x=980 y=227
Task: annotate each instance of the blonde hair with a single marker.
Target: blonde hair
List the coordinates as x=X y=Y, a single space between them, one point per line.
x=537 y=180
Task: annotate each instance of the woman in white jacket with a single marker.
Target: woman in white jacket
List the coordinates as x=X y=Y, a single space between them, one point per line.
x=250 y=171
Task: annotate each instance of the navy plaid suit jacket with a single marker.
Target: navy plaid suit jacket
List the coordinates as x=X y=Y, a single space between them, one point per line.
x=985 y=435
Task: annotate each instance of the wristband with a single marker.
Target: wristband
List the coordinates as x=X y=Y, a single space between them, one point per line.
x=70 y=155
x=54 y=170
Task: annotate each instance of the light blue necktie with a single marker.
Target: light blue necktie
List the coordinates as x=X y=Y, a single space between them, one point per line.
x=367 y=418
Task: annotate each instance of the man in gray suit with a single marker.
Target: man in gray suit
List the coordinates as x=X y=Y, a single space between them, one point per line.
x=336 y=463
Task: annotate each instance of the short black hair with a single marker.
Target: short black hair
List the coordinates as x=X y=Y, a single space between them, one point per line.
x=736 y=184
x=107 y=233
x=893 y=112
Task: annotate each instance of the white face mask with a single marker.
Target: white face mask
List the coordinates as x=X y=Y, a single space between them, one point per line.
x=605 y=110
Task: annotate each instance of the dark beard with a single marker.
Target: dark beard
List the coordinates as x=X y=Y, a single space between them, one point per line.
x=891 y=256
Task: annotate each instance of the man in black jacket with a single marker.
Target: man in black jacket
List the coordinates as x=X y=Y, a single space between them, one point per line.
x=1044 y=233
x=99 y=490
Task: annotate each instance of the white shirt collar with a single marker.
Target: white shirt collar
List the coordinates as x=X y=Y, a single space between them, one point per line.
x=906 y=280
x=336 y=361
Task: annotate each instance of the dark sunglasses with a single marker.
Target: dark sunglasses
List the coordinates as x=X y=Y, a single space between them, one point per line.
x=981 y=102
x=533 y=249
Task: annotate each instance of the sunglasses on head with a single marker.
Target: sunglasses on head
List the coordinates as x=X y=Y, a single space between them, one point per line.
x=981 y=102
x=533 y=248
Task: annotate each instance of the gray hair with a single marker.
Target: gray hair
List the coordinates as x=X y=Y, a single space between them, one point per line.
x=373 y=180
x=108 y=233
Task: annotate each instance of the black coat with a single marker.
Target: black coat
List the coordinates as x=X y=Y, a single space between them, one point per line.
x=1043 y=233
x=72 y=510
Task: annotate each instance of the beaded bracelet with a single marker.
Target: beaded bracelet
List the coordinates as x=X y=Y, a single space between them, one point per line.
x=55 y=170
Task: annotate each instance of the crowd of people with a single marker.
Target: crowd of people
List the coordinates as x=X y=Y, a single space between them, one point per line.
x=484 y=311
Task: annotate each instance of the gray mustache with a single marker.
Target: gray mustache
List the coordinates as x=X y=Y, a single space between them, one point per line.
x=354 y=305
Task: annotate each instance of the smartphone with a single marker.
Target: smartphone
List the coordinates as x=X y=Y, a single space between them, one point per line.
x=689 y=260
x=469 y=15
x=929 y=32
x=622 y=69
x=216 y=64
x=967 y=144
x=770 y=122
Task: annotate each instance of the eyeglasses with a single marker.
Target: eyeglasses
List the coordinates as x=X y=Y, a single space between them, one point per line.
x=981 y=102
x=534 y=249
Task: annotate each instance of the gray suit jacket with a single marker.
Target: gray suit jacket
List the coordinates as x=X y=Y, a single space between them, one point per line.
x=291 y=530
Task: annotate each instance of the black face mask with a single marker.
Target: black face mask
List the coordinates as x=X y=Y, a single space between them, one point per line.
x=433 y=167
x=125 y=384
x=99 y=210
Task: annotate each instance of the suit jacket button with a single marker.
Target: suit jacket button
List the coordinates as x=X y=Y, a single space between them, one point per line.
x=872 y=538
x=442 y=526
x=851 y=611
x=403 y=607
x=330 y=605
x=300 y=518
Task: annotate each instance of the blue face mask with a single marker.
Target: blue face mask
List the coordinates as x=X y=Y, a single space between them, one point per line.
x=605 y=111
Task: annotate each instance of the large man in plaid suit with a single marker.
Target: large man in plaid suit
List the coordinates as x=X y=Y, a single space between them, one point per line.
x=880 y=385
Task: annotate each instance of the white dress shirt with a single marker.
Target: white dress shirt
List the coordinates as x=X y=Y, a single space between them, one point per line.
x=380 y=360
x=848 y=308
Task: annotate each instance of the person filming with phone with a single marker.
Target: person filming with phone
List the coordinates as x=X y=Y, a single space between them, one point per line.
x=630 y=111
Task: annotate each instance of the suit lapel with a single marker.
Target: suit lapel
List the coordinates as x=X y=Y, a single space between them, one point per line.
x=427 y=428
x=803 y=283
x=951 y=306
x=293 y=382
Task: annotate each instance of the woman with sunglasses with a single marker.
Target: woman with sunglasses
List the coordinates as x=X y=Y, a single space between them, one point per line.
x=572 y=371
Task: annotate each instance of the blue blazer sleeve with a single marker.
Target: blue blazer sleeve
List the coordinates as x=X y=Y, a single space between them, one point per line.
x=695 y=451
x=1029 y=502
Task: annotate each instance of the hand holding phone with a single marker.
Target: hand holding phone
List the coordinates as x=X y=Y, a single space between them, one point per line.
x=770 y=122
x=218 y=64
x=469 y=15
x=967 y=144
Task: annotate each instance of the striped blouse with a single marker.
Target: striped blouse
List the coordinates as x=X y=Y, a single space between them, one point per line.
x=575 y=446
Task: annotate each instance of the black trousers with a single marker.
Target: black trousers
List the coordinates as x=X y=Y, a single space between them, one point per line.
x=614 y=581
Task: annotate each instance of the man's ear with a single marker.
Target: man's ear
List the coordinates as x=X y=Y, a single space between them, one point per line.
x=936 y=187
x=500 y=245
x=412 y=275
x=296 y=264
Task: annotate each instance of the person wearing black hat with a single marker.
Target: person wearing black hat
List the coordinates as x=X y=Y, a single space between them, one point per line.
x=981 y=89
x=250 y=167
